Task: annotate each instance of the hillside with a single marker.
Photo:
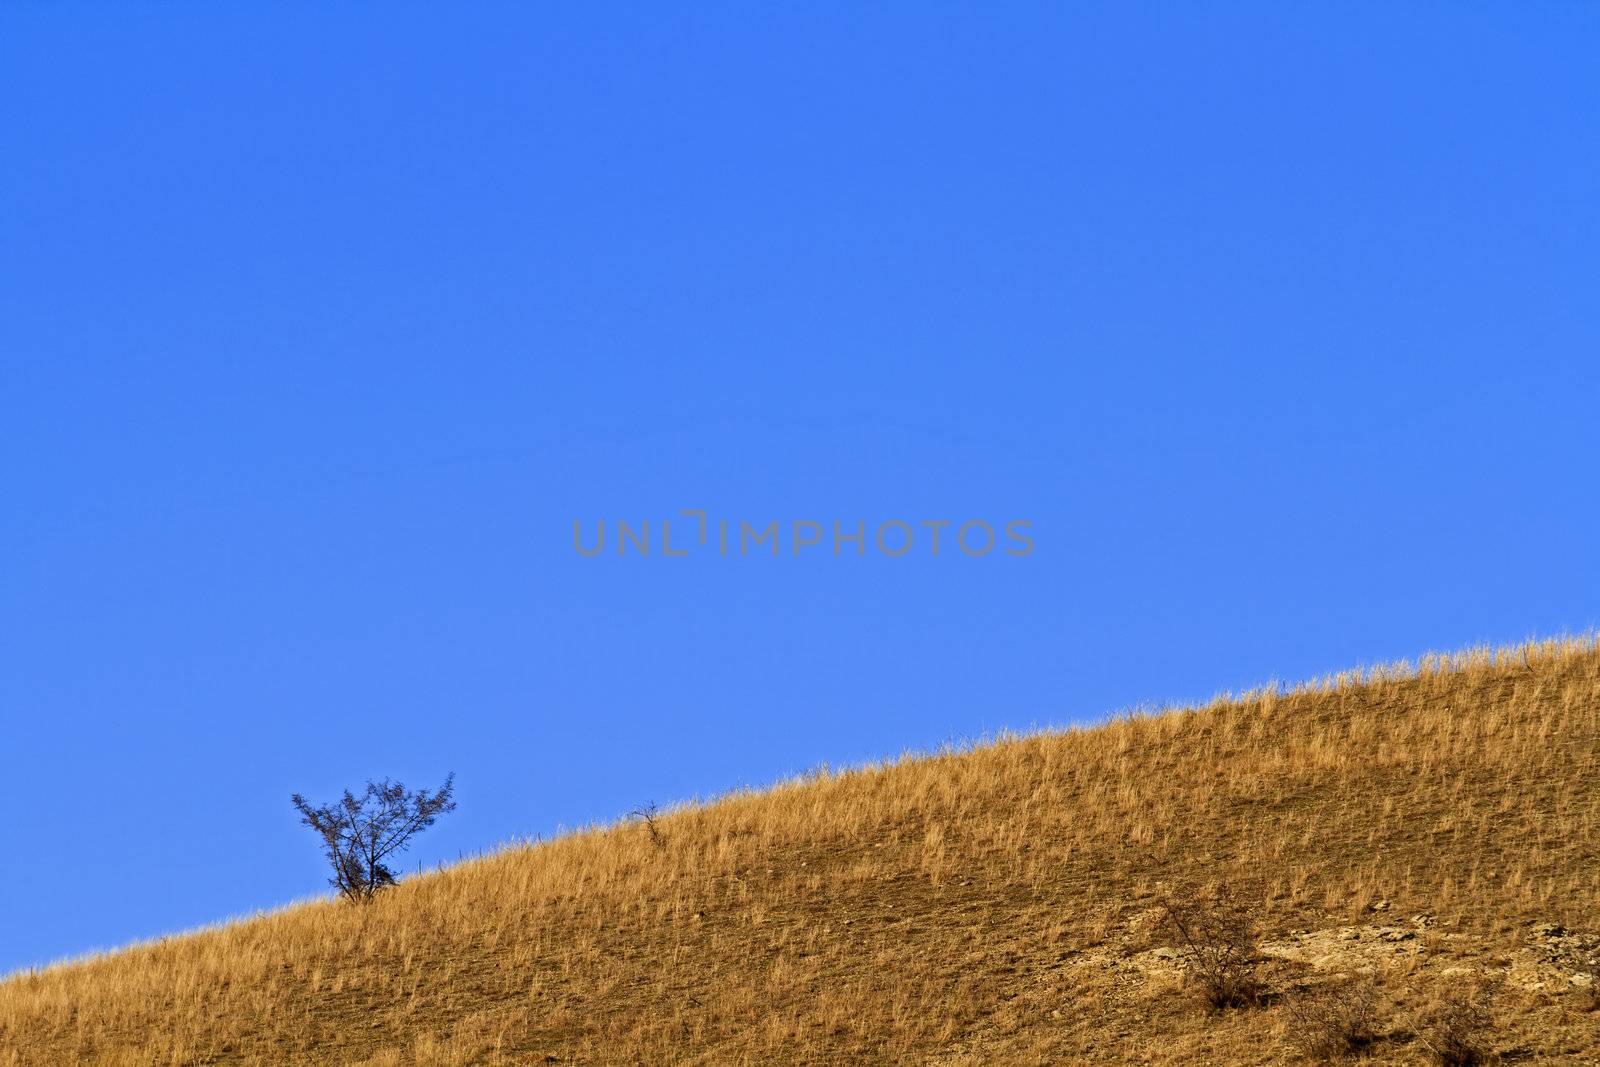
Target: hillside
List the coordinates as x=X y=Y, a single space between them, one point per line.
x=1431 y=826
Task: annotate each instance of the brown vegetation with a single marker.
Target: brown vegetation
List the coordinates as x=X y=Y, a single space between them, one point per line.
x=1334 y=1020
x=1423 y=827
x=1217 y=939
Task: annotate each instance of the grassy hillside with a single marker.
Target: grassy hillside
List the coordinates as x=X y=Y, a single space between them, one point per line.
x=1428 y=827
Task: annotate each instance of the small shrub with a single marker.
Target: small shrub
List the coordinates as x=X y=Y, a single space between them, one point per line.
x=648 y=815
x=1589 y=998
x=1334 y=1021
x=360 y=832
x=1218 y=940
x=1455 y=1028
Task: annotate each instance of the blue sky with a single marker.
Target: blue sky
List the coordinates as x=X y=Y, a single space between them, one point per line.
x=320 y=328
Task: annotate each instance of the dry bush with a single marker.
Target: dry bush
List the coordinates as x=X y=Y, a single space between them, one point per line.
x=1456 y=1026
x=1335 y=1020
x=360 y=833
x=649 y=815
x=1218 y=941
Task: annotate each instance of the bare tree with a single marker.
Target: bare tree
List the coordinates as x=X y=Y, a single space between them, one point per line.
x=647 y=814
x=360 y=832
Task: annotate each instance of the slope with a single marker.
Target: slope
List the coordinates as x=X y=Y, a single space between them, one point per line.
x=1431 y=826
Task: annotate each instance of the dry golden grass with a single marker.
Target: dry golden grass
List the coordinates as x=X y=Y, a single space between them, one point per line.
x=994 y=905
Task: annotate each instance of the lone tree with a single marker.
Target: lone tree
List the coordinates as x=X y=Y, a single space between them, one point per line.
x=359 y=833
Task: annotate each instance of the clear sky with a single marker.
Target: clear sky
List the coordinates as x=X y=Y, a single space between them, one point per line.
x=320 y=328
